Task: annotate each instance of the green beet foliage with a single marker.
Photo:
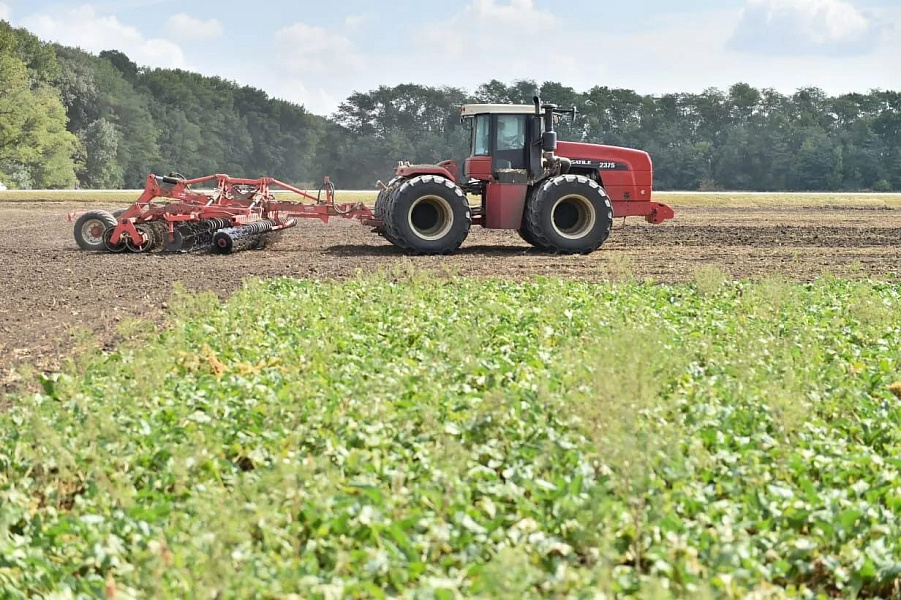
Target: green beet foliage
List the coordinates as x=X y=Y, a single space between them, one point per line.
x=435 y=437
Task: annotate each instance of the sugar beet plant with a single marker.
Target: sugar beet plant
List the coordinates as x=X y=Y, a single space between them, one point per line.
x=429 y=437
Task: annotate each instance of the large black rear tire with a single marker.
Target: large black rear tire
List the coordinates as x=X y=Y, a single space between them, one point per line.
x=570 y=214
x=427 y=215
x=89 y=229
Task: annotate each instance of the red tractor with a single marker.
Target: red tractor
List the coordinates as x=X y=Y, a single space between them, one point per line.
x=561 y=197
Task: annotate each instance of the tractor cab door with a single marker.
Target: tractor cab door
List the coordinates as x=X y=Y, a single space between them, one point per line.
x=510 y=142
x=479 y=164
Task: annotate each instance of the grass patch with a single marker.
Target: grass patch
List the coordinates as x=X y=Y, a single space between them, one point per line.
x=445 y=437
x=85 y=197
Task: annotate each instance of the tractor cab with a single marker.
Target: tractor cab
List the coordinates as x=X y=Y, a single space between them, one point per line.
x=499 y=139
x=511 y=143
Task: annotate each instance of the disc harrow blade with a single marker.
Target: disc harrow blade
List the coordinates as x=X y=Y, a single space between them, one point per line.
x=191 y=237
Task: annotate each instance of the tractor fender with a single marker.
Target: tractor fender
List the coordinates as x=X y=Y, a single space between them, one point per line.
x=446 y=169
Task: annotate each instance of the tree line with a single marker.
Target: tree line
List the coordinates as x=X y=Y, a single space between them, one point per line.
x=70 y=118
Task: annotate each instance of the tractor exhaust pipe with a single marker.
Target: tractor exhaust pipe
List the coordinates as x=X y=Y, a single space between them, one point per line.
x=546 y=111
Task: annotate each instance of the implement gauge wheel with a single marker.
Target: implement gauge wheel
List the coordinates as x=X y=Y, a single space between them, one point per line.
x=149 y=240
x=569 y=214
x=89 y=229
x=427 y=215
x=108 y=245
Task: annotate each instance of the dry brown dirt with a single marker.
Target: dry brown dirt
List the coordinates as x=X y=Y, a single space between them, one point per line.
x=49 y=287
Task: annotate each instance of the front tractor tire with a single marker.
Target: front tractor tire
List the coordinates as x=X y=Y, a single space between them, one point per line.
x=568 y=214
x=427 y=215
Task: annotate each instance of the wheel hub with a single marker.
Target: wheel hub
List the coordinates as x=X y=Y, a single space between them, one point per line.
x=573 y=217
x=431 y=217
x=92 y=231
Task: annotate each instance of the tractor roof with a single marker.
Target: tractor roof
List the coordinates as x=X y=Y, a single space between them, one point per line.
x=505 y=109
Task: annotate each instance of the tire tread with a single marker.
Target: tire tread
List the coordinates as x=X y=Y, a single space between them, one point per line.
x=546 y=193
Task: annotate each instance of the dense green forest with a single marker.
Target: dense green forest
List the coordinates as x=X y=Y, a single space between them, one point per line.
x=70 y=117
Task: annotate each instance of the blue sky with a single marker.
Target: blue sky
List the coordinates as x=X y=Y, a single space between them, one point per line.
x=317 y=53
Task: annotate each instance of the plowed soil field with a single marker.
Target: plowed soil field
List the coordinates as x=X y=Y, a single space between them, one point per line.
x=49 y=288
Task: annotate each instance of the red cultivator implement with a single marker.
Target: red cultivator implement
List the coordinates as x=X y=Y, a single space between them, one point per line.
x=238 y=214
x=560 y=198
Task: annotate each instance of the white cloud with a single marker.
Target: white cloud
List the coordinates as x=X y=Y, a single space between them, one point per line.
x=320 y=67
x=313 y=64
x=490 y=25
x=85 y=28
x=356 y=22
x=796 y=27
x=5 y=11
x=308 y=49
x=501 y=39
x=182 y=26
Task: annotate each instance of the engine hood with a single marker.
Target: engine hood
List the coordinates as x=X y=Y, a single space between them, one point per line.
x=631 y=159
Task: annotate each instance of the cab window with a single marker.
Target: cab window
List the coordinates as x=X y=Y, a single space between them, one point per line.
x=511 y=132
x=481 y=136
